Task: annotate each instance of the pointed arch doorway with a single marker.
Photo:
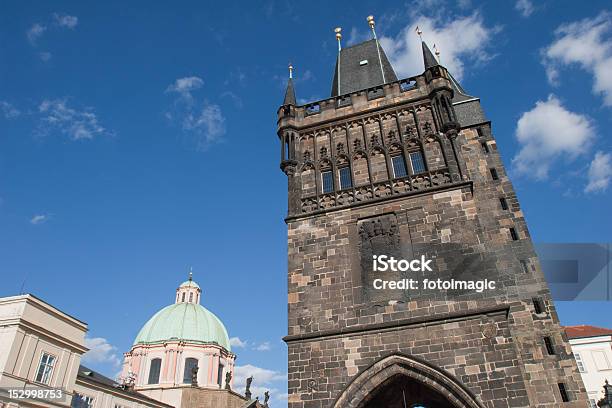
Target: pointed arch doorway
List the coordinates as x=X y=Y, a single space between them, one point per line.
x=400 y=381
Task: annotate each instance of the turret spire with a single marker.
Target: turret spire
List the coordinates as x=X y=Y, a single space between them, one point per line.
x=428 y=58
x=290 y=92
x=372 y=24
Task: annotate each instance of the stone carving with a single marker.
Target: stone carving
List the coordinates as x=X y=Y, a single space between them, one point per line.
x=427 y=128
x=323 y=152
x=357 y=144
x=489 y=329
x=307 y=155
x=374 y=139
x=392 y=136
x=409 y=131
x=194 y=376
x=312 y=385
x=228 y=378
x=266 y=398
x=247 y=392
x=340 y=147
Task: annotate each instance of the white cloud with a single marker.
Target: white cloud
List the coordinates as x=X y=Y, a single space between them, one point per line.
x=184 y=86
x=65 y=20
x=8 y=110
x=265 y=346
x=588 y=44
x=39 y=219
x=549 y=132
x=100 y=351
x=237 y=342
x=459 y=40
x=525 y=7
x=35 y=32
x=204 y=121
x=77 y=125
x=600 y=173
x=263 y=380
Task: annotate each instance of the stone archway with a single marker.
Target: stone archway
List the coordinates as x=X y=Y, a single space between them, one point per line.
x=399 y=381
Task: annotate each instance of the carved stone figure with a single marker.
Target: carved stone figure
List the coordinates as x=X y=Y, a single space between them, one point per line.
x=194 y=376
x=228 y=378
x=247 y=392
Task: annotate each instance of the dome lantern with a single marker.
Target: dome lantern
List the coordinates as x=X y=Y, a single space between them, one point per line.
x=188 y=291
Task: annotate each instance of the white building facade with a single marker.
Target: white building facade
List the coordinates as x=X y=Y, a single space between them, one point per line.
x=592 y=348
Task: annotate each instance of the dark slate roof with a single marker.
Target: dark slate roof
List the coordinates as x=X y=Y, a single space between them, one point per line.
x=354 y=76
x=89 y=375
x=289 y=94
x=428 y=58
x=467 y=107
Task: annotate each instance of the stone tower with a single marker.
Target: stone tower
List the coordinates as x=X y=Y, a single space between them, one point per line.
x=409 y=168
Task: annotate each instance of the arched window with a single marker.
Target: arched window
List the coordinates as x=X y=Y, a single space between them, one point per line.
x=183 y=297
x=154 y=371
x=220 y=375
x=190 y=364
x=190 y=297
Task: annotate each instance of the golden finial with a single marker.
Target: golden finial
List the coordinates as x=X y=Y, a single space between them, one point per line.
x=419 y=32
x=338 y=31
x=371 y=21
x=290 y=71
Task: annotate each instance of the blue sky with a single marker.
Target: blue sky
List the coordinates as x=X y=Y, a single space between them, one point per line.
x=138 y=139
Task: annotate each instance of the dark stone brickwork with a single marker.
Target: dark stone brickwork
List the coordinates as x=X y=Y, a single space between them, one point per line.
x=479 y=349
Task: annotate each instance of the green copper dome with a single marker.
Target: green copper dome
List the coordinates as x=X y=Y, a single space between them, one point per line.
x=184 y=321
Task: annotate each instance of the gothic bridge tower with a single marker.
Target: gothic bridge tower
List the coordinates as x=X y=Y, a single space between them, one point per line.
x=409 y=167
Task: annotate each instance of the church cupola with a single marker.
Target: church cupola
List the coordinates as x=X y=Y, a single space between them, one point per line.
x=188 y=291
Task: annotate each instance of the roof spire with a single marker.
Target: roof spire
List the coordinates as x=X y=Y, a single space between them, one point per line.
x=372 y=24
x=338 y=31
x=428 y=58
x=290 y=92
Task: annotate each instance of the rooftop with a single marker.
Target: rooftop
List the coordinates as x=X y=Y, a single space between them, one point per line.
x=582 y=331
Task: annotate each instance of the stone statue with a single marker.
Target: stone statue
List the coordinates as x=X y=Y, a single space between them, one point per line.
x=194 y=376
x=266 y=398
x=247 y=393
x=228 y=378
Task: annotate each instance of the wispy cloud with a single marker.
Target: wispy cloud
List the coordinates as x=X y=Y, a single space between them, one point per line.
x=76 y=124
x=100 y=351
x=600 y=173
x=44 y=56
x=237 y=342
x=525 y=7
x=587 y=44
x=461 y=40
x=548 y=132
x=39 y=219
x=65 y=20
x=35 y=32
x=8 y=110
x=263 y=380
x=265 y=346
x=202 y=121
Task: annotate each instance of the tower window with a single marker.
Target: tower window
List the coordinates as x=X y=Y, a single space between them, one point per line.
x=328 y=181
x=190 y=297
x=418 y=164
x=345 y=178
x=494 y=175
x=480 y=132
x=399 y=166
x=549 y=346
x=504 y=203
x=524 y=265
x=514 y=234
x=190 y=364
x=183 y=297
x=563 y=392
x=45 y=368
x=538 y=305
x=154 y=371
x=485 y=147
